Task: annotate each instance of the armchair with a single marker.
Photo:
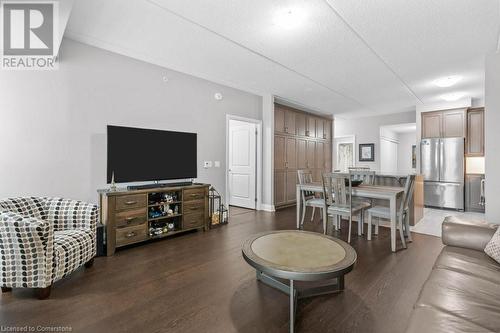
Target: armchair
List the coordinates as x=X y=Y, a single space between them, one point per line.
x=43 y=240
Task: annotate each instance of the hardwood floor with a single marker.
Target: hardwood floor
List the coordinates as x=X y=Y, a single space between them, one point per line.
x=200 y=283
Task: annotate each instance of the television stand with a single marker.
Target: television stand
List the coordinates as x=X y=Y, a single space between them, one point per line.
x=158 y=185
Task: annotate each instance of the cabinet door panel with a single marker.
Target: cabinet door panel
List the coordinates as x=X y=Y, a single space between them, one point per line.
x=453 y=124
x=320 y=128
x=301 y=154
x=320 y=155
x=475 y=133
x=311 y=127
x=473 y=193
x=300 y=124
x=431 y=125
x=328 y=157
x=328 y=130
x=291 y=186
x=291 y=154
x=310 y=154
x=279 y=119
x=279 y=187
x=290 y=126
x=279 y=152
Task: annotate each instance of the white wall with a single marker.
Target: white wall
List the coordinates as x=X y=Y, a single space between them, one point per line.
x=367 y=130
x=406 y=141
x=53 y=124
x=492 y=138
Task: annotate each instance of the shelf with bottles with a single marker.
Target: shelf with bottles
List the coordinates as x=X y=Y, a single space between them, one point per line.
x=161 y=198
x=164 y=205
x=160 y=228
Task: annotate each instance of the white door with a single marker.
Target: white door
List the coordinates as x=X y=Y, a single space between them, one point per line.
x=242 y=163
x=388 y=156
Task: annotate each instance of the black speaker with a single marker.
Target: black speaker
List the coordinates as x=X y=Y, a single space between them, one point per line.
x=101 y=244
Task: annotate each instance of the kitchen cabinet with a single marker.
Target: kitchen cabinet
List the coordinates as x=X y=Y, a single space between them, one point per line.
x=444 y=124
x=474 y=193
x=301 y=141
x=475 y=132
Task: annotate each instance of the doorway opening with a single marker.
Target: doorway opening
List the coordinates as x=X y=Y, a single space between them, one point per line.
x=397 y=148
x=243 y=167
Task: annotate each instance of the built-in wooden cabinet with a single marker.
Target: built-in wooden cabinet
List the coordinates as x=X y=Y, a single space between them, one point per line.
x=474 y=193
x=301 y=141
x=444 y=124
x=475 y=132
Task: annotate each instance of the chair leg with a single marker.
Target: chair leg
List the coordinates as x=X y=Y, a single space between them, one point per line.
x=376 y=225
x=407 y=223
x=43 y=293
x=369 y=237
x=312 y=215
x=89 y=263
x=6 y=289
x=401 y=231
x=349 y=234
x=303 y=216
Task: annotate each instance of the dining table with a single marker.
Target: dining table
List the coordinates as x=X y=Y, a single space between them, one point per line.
x=389 y=193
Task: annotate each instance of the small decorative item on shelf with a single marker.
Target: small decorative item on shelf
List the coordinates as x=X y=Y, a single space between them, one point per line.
x=217 y=210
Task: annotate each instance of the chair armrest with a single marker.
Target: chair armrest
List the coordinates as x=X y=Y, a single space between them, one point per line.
x=28 y=251
x=69 y=214
x=472 y=235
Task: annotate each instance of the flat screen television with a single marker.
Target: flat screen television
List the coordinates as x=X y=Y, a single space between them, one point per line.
x=137 y=154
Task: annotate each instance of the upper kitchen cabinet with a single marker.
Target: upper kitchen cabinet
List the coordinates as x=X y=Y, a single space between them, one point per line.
x=475 y=132
x=454 y=124
x=311 y=127
x=431 y=124
x=284 y=120
x=444 y=124
x=320 y=128
x=301 y=124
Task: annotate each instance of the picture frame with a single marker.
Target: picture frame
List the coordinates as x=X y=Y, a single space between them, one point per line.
x=414 y=156
x=366 y=152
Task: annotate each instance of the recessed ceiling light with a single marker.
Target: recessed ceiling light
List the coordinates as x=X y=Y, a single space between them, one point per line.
x=289 y=18
x=447 y=81
x=453 y=96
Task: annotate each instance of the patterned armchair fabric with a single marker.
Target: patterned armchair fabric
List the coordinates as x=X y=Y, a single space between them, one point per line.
x=44 y=239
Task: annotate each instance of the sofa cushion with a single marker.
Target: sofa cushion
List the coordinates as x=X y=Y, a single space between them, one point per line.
x=470 y=262
x=471 y=298
x=72 y=248
x=493 y=247
x=426 y=319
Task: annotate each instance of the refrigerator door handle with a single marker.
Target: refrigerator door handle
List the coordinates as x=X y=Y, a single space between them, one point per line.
x=440 y=159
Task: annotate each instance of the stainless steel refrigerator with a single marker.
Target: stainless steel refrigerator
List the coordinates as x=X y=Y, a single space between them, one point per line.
x=442 y=165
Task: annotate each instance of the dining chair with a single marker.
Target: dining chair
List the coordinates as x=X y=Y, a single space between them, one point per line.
x=337 y=191
x=403 y=214
x=368 y=178
x=308 y=198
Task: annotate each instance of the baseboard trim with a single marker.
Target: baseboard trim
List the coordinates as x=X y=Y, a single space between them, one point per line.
x=267 y=208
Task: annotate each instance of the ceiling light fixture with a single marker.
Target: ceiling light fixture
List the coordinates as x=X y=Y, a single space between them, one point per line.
x=289 y=18
x=453 y=96
x=447 y=81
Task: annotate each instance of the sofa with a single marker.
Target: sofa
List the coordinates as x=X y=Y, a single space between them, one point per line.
x=43 y=240
x=462 y=293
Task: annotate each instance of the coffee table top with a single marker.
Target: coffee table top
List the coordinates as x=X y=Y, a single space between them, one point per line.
x=299 y=255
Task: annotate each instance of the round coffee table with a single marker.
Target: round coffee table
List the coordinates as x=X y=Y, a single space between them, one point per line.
x=297 y=255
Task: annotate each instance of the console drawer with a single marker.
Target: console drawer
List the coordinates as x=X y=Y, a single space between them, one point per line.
x=194 y=194
x=131 y=235
x=129 y=218
x=193 y=220
x=131 y=201
x=195 y=206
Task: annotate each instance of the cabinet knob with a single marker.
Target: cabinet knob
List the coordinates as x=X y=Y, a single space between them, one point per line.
x=130 y=234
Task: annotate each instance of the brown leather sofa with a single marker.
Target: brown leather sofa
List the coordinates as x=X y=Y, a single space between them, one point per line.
x=462 y=293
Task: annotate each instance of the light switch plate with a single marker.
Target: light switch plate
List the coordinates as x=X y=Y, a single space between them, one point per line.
x=217 y=164
x=207 y=164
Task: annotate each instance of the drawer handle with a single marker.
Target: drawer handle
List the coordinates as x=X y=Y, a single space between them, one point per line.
x=130 y=234
x=194 y=208
x=130 y=202
x=130 y=219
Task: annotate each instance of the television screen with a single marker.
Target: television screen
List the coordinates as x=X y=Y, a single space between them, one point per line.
x=136 y=154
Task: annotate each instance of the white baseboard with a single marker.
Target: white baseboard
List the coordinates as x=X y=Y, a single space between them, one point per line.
x=267 y=208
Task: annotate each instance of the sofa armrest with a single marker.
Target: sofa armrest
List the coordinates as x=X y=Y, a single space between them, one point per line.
x=472 y=235
x=28 y=251
x=68 y=214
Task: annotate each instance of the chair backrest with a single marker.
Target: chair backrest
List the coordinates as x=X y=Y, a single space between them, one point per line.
x=305 y=177
x=368 y=177
x=358 y=168
x=408 y=194
x=335 y=190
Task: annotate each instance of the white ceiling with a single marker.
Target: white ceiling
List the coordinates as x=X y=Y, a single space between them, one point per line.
x=349 y=57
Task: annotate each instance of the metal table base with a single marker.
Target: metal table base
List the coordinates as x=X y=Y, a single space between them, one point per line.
x=295 y=294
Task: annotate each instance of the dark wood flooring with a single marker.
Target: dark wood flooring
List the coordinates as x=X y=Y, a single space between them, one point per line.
x=199 y=282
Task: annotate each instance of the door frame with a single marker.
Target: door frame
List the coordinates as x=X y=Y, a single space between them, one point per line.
x=258 y=168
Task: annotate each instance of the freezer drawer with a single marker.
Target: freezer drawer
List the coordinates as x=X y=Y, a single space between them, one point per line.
x=444 y=195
